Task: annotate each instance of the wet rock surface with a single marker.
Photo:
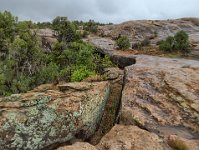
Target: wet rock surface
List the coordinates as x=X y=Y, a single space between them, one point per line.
x=162 y=95
x=47 y=116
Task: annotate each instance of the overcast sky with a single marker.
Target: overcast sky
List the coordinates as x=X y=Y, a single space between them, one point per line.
x=101 y=10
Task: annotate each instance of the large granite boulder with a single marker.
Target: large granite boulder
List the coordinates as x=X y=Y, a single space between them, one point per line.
x=51 y=114
x=130 y=138
x=162 y=96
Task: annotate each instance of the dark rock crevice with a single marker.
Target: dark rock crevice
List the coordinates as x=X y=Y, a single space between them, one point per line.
x=113 y=105
x=121 y=61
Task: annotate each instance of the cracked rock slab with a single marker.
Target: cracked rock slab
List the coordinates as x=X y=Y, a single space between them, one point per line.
x=47 y=116
x=162 y=96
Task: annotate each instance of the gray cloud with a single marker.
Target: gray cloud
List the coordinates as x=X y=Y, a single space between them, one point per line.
x=101 y=10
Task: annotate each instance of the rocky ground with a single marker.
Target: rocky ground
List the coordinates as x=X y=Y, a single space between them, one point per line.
x=159 y=103
x=160 y=95
x=150 y=103
x=159 y=110
x=154 y=31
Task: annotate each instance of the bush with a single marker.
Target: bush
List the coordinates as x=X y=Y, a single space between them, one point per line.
x=48 y=74
x=136 y=45
x=141 y=44
x=123 y=42
x=106 y=62
x=167 y=45
x=65 y=29
x=25 y=65
x=21 y=83
x=91 y=26
x=180 y=42
x=85 y=34
x=81 y=73
x=102 y=63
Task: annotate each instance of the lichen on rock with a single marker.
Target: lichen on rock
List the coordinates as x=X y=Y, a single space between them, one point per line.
x=37 y=119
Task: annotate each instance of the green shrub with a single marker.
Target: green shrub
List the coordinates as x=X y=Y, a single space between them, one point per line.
x=168 y=45
x=24 y=64
x=102 y=63
x=81 y=73
x=48 y=74
x=141 y=44
x=21 y=83
x=65 y=29
x=7 y=23
x=85 y=34
x=180 y=42
x=137 y=45
x=91 y=26
x=123 y=42
x=106 y=62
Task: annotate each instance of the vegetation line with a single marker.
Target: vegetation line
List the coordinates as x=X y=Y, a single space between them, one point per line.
x=26 y=61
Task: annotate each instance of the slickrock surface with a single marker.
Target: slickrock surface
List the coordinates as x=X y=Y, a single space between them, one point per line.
x=162 y=95
x=155 y=30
